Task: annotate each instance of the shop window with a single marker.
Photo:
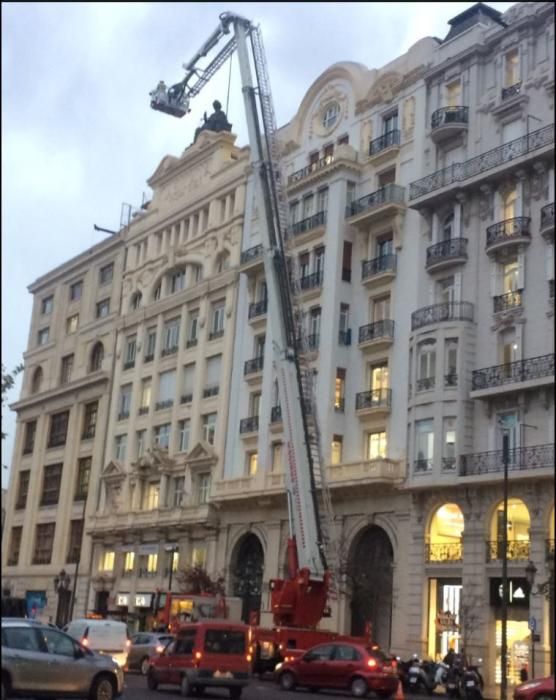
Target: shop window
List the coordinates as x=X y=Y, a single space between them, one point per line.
x=445 y=532
x=519 y=523
x=518 y=636
x=444 y=617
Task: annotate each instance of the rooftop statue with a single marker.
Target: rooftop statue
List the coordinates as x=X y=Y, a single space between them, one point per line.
x=216 y=122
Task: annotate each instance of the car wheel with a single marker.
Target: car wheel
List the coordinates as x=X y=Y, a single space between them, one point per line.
x=152 y=683
x=235 y=693
x=103 y=689
x=287 y=681
x=144 y=665
x=185 y=687
x=359 y=688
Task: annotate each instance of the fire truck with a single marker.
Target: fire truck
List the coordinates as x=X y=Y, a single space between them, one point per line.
x=299 y=601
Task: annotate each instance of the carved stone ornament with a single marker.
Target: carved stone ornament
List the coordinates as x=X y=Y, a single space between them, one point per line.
x=115 y=497
x=408 y=119
x=289 y=148
x=486 y=203
x=331 y=94
x=538 y=181
x=385 y=88
x=508 y=319
x=366 y=135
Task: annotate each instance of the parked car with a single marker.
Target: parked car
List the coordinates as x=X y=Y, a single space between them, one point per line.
x=536 y=689
x=353 y=667
x=205 y=655
x=105 y=636
x=40 y=661
x=144 y=645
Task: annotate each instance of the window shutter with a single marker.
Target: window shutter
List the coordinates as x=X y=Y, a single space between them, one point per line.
x=167 y=385
x=213 y=370
x=188 y=378
x=521 y=271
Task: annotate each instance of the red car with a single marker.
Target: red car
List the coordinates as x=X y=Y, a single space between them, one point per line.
x=537 y=689
x=340 y=665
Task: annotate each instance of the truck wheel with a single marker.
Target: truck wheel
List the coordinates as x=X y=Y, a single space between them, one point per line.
x=144 y=665
x=185 y=687
x=358 y=688
x=152 y=683
x=287 y=681
x=103 y=689
x=235 y=693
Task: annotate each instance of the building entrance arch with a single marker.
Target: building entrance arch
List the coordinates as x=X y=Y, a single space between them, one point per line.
x=247 y=575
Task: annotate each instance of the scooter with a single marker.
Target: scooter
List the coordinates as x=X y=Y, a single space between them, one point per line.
x=453 y=680
x=421 y=677
x=472 y=683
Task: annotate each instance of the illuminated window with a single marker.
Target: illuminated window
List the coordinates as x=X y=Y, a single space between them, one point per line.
x=510 y=204
x=129 y=561
x=276 y=456
x=71 y=324
x=511 y=68
x=376 y=445
x=152 y=563
x=336 y=449
x=453 y=94
x=199 y=557
x=339 y=389
x=252 y=463
x=519 y=523
x=152 y=496
x=510 y=277
x=107 y=561
x=445 y=533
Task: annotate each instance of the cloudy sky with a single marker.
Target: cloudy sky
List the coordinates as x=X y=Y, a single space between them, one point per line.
x=79 y=138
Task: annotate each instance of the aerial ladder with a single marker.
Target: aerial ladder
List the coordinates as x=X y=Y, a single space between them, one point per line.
x=301 y=599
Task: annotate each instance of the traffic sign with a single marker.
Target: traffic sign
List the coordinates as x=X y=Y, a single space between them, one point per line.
x=533 y=624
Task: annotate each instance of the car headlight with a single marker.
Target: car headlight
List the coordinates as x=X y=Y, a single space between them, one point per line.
x=278 y=666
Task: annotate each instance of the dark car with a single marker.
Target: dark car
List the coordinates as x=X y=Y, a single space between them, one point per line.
x=352 y=667
x=536 y=689
x=143 y=646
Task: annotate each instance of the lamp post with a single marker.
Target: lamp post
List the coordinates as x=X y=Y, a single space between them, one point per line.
x=61 y=585
x=504 y=621
x=547 y=590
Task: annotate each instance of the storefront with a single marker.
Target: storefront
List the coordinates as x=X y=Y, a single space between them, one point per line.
x=443 y=622
x=144 y=614
x=518 y=634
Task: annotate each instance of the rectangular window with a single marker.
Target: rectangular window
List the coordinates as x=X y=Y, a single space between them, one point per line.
x=203 y=489
x=252 y=463
x=146 y=395
x=213 y=371
x=22 y=489
x=129 y=561
x=140 y=438
x=339 y=389
x=294 y=213
x=76 y=291
x=74 y=544
x=390 y=122
x=171 y=336
x=424 y=444
x=276 y=463
x=346 y=262
x=152 y=497
x=130 y=352
x=151 y=344
x=322 y=199
x=388 y=177
x=83 y=478
x=254 y=404
x=103 y=308
x=120 y=446
x=449 y=444
x=51 y=484
x=379 y=377
x=199 y=557
x=451 y=362
x=308 y=204
x=90 y=420
x=377 y=445
x=178 y=491
x=107 y=561
x=66 y=369
x=314 y=157
x=328 y=153
x=510 y=277
x=188 y=383
x=47 y=305
x=426 y=366
x=453 y=94
x=351 y=190
x=43 y=336
x=193 y=328
x=217 y=326
x=446 y=290
x=384 y=245
x=177 y=281
x=184 y=434
x=72 y=322
x=381 y=308
x=15 y=546
x=344 y=318
x=44 y=539
x=106 y=274
x=511 y=68
x=124 y=402
x=29 y=438
x=336 y=449
x=166 y=389
x=209 y=428
x=152 y=563
x=58 y=429
x=318 y=260
x=162 y=436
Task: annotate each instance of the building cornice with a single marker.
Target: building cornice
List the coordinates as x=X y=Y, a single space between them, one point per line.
x=77 y=385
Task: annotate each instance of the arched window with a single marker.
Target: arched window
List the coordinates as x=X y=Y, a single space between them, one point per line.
x=36 y=382
x=97 y=356
x=519 y=523
x=136 y=301
x=445 y=531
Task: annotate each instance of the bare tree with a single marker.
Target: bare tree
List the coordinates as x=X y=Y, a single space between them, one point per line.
x=196 y=580
x=470 y=622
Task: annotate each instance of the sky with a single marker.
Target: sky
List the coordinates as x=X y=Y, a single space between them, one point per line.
x=79 y=137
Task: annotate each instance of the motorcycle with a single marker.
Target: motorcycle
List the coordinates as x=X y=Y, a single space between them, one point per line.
x=472 y=683
x=421 y=677
x=454 y=679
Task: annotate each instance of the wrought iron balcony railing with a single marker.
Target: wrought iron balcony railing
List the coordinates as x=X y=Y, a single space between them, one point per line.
x=422 y=465
x=123 y=415
x=210 y=391
x=512 y=372
x=449 y=115
x=254 y=365
x=276 y=414
x=510 y=300
x=384 y=263
x=425 y=384
x=308 y=224
x=312 y=281
x=344 y=337
x=143 y=410
x=511 y=91
x=457 y=172
x=450 y=380
x=390 y=138
x=130 y=364
x=191 y=343
x=312 y=341
x=448 y=311
x=452 y=248
x=251 y=253
x=450 y=551
x=258 y=308
x=519 y=459
x=547 y=215
x=161 y=405
x=171 y=350
x=311 y=168
x=376 y=398
x=508 y=230
x=148 y=358
x=376 y=330
x=88 y=434
x=186 y=398
x=219 y=333
x=249 y=425
x=385 y=195
x=516 y=550
x=448 y=464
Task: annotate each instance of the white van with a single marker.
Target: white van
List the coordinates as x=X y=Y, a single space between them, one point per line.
x=108 y=637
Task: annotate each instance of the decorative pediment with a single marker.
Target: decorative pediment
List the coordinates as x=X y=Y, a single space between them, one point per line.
x=202 y=453
x=113 y=471
x=165 y=164
x=382 y=91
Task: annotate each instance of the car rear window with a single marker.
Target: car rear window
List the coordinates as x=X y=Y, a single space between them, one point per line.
x=24 y=638
x=225 y=641
x=107 y=636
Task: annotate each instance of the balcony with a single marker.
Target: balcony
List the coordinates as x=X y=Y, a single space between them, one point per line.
x=258 y=309
x=310 y=169
x=186 y=398
x=251 y=259
x=362 y=477
x=374 y=402
x=88 y=434
x=425 y=384
x=511 y=91
x=547 y=222
x=191 y=343
x=130 y=364
x=311 y=223
x=520 y=459
x=446 y=254
x=311 y=282
x=422 y=466
x=254 y=366
x=448 y=122
x=442 y=553
x=515 y=551
x=513 y=376
x=209 y=391
x=143 y=410
x=249 y=425
x=384 y=147
x=450 y=380
x=385 y=202
x=378 y=270
x=448 y=464
x=485 y=162
x=509 y=301
x=123 y=415
x=507 y=234
x=344 y=337
x=439 y=313
x=163 y=405
x=148 y=358
x=377 y=335
x=171 y=350
x=276 y=414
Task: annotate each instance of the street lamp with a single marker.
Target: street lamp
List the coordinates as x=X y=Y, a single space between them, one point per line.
x=61 y=586
x=547 y=590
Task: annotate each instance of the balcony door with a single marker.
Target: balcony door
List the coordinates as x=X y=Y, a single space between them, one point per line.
x=508 y=422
